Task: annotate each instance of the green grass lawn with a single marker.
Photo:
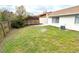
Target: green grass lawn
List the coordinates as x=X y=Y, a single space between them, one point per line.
x=41 y=39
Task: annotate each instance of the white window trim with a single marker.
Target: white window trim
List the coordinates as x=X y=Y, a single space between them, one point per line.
x=55 y=19
x=75 y=19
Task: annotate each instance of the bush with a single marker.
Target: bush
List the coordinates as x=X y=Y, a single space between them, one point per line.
x=17 y=24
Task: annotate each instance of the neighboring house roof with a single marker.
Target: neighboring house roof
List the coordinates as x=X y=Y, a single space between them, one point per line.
x=32 y=18
x=44 y=14
x=67 y=11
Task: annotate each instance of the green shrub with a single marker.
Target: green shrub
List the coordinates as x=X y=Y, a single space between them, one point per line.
x=17 y=24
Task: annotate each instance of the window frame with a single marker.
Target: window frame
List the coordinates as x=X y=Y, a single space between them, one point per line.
x=76 y=19
x=56 y=19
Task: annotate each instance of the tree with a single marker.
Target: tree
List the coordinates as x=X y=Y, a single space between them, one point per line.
x=21 y=12
x=6 y=15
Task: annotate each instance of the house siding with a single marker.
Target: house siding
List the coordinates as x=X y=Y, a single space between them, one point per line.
x=45 y=21
x=68 y=22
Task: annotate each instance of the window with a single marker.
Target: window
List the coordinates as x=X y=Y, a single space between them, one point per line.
x=55 y=20
x=77 y=19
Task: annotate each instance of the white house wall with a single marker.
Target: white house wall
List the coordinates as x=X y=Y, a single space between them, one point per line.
x=73 y=27
x=49 y=21
x=67 y=21
x=42 y=21
x=45 y=21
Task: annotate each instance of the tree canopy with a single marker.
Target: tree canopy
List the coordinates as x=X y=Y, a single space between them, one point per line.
x=21 y=12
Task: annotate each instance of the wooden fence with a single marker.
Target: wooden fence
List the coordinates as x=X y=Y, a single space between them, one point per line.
x=4 y=28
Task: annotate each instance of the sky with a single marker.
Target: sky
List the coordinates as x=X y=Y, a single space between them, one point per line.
x=38 y=6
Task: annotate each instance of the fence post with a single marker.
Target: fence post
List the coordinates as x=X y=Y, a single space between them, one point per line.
x=3 y=30
x=8 y=25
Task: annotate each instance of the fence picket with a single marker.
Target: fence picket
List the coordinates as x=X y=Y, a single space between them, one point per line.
x=4 y=28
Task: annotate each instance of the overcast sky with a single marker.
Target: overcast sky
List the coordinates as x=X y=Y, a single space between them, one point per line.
x=37 y=6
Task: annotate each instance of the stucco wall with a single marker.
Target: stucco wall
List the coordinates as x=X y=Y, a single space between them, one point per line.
x=67 y=21
x=45 y=21
x=42 y=20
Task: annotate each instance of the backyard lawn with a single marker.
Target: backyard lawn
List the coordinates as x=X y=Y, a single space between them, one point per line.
x=41 y=39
